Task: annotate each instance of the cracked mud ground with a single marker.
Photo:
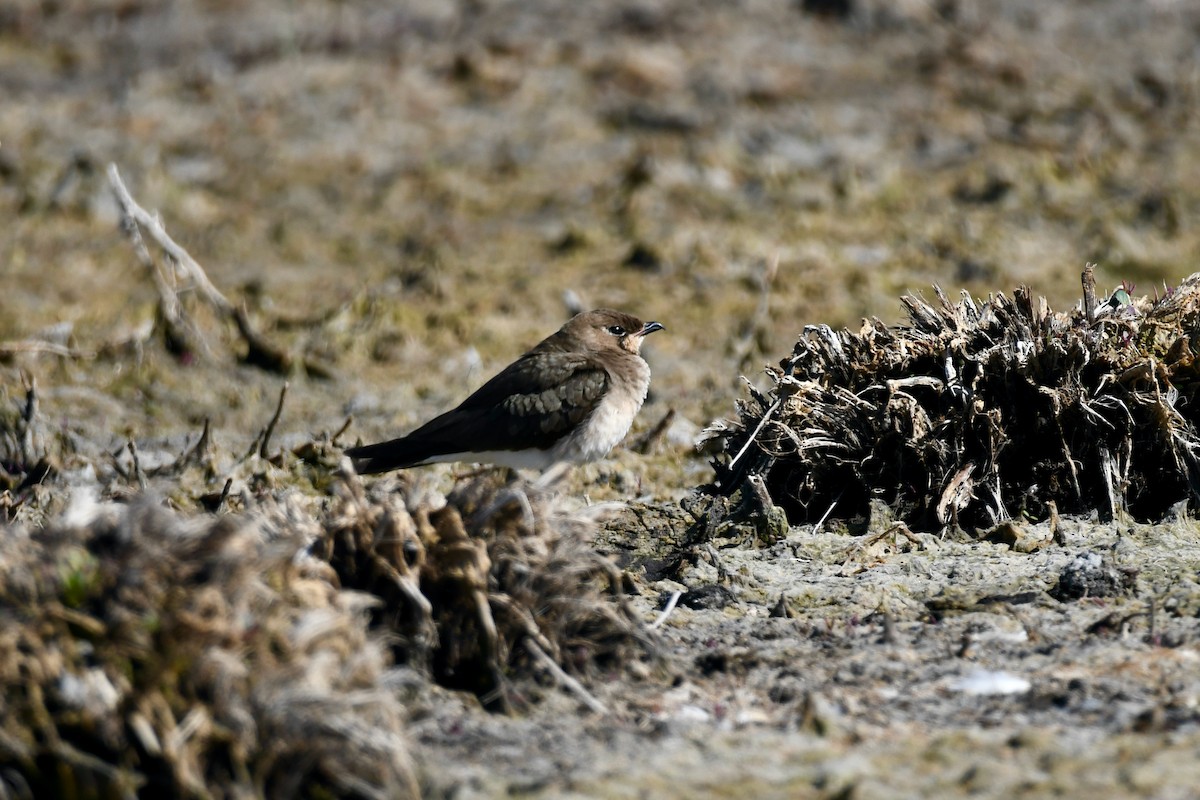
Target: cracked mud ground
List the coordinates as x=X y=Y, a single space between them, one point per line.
x=409 y=191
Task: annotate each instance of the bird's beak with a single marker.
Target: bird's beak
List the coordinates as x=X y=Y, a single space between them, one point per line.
x=651 y=327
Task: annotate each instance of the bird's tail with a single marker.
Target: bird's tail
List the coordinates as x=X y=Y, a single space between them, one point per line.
x=395 y=454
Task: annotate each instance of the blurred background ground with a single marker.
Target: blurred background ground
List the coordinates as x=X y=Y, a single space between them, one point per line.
x=408 y=190
x=413 y=186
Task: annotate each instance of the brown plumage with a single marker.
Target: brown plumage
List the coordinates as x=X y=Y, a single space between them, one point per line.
x=570 y=398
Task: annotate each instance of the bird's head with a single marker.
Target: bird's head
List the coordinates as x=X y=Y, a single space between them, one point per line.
x=605 y=329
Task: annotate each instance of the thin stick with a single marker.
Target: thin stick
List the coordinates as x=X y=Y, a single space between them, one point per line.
x=722 y=573
x=197 y=451
x=889 y=626
x=157 y=232
x=566 y=681
x=201 y=448
x=266 y=438
x=1088 y=278
x=28 y=415
x=168 y=301
x=260 y=351
x=828 y=511
x=38 y=346
x=643 y=445
x=224 y=494
x=137 y=465
x=254 y=445
x=345 y=427
x=666 y=612
x=757 y=430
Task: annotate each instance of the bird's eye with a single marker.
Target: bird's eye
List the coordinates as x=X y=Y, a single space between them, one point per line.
x=616 y=330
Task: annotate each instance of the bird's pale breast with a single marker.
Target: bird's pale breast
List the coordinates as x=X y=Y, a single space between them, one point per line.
x=609 y=423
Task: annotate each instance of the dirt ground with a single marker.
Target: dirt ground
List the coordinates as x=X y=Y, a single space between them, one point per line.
x=415 y=193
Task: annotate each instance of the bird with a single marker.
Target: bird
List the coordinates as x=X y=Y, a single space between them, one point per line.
x=570 y=399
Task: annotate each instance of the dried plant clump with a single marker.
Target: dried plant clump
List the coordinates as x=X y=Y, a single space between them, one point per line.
x=23 y=463
x=976 y=412
x=143 y=654
x=148 y=654
x=487 y=586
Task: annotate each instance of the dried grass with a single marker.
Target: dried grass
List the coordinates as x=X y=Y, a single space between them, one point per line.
x=148 y=654
x=467 y=577
x=976 y=412
x=145 y=653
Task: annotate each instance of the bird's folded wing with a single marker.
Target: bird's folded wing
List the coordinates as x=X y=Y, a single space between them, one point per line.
x=533 y=403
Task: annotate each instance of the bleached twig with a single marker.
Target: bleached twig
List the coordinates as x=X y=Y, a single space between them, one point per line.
x=260 y=352
x=152 y=225
x=757 y=430
x=666 y=612
x=566 y=681
x=38 y=346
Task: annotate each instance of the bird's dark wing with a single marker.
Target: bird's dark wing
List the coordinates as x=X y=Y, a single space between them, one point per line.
x=531 y=404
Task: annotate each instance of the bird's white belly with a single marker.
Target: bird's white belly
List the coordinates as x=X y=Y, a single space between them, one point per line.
x=608 y=424
x=516 y=459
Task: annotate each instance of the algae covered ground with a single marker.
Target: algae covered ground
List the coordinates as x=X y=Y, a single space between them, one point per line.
x=406 y=196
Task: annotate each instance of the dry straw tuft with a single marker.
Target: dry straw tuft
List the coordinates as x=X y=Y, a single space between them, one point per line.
x=976 y=412
x=147 y=654
x=479 y=584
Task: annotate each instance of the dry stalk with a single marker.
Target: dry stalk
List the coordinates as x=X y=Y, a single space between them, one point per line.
x=28 y=417
x=260 y=351
x=666 y=612
x=137 y=464
x=140 y=217
x=270 y=429
x=12 y=348
x=647 y=440
x=566 y=681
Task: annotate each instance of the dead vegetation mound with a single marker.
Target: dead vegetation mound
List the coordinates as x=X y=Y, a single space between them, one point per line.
x=975 y=412
x=486 y=584
x=145 y=653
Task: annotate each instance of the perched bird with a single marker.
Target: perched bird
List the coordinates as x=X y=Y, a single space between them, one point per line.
x=571 y=398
